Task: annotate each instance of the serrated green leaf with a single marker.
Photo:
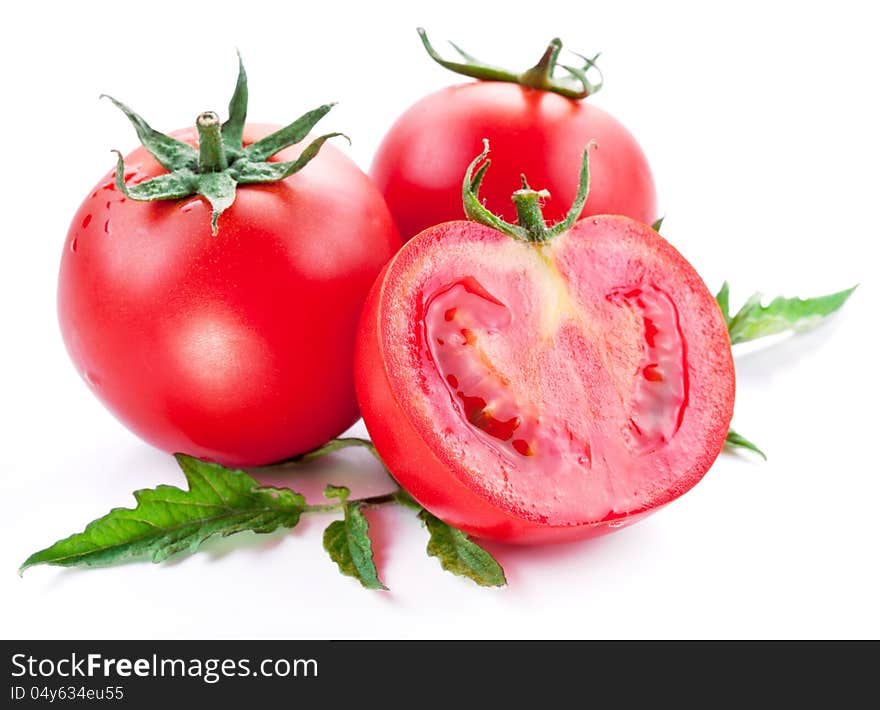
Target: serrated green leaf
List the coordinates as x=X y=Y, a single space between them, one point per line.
x=339 y=492
x=348 y=543
x=739 y=441
x=459 y=554
x=723 y=299
x=168 y=520
x=754 y=321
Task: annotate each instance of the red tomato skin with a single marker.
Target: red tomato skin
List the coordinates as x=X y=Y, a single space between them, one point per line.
x=430 y=473
x=421 y=160
x=237 y=347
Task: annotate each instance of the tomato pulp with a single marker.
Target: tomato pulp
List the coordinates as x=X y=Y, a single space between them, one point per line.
x=419 y=164
x=236 y=347
x=544 y=392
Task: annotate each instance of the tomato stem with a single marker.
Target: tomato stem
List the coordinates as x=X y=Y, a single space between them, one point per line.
x=369 y=502
x=540 y=76
x=398 y=495
x=212 y=156
x=528 y=211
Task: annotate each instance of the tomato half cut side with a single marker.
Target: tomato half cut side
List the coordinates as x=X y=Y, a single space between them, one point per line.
x=544 y=392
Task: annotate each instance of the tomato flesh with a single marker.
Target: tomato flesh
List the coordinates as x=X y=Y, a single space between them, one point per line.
x=531 y=393
x=661 y=381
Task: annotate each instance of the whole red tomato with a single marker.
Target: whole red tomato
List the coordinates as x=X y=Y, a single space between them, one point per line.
x=537 y=125
x=235 y=346
x=534 y=384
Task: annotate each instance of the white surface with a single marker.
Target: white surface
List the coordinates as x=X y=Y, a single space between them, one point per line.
x=761 y=123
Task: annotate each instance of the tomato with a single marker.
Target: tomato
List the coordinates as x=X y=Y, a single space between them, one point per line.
x=419 y=164
x=544 y=388
x=235 y=347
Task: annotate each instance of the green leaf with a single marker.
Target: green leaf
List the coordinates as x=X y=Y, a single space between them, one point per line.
x=181 y=183
x=246 y=172
x=348 y=543
x=473 y=67
x=233 y=128
x=168 y=520
x=289 y=135
x=401 y=497
x=336 y=445
x=219 y=188
x=171 y=153
x=474 y=208
x=782 y=314
x=580 y=199
x=340 y=493
x=738 y=441
x=460 y=555
x=659 y=223
x=723 y=299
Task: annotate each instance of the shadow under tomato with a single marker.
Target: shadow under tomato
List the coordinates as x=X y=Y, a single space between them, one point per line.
x=515 y=559
x=354 y=468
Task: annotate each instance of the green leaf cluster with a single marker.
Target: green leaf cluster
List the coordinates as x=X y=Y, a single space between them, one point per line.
x=781 y=315
x=219 y=501
x=222 y=161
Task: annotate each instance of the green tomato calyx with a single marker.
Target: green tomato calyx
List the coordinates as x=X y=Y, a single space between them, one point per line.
x=530 y=226
x=221 y=162
x=576 y=85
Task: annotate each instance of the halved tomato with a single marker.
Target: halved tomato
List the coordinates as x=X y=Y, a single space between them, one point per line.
x=545 y=387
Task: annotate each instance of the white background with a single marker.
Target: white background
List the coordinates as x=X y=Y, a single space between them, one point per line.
x=761 y=123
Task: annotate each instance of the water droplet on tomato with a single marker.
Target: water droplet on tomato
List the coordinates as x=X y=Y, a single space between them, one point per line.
x=92 y=379
x=86 y=220
x=73 y=245
x=189 y=204
x=107 y=227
